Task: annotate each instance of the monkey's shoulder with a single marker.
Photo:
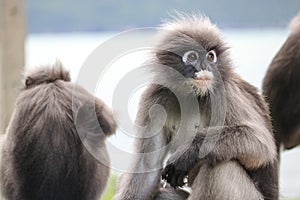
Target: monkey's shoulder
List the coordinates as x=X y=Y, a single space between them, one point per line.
x=250 y=89
x=244 y=86
x=252 y=94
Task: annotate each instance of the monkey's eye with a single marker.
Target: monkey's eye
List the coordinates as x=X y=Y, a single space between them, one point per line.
x=190 y=58
x=211 y=56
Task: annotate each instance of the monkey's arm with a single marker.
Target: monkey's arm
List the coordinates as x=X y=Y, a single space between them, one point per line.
x=141 y=182
x=219 y=144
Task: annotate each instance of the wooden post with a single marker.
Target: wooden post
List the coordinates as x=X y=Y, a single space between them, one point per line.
x=12 y=55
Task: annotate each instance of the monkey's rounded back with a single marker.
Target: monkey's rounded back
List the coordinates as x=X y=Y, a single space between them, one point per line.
x=281 y=89
x=43 y=156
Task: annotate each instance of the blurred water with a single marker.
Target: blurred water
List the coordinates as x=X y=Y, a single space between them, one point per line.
x=252 y=51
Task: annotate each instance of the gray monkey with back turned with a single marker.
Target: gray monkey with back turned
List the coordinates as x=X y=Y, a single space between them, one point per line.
x=43 y=155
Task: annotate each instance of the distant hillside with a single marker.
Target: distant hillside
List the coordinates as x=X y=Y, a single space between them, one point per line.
x=108 y=15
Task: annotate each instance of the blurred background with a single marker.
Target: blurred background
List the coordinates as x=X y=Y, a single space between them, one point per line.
x=90 y=15
x=37 y=32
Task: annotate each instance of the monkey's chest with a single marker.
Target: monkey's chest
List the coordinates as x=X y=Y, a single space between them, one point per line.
x=181 y=130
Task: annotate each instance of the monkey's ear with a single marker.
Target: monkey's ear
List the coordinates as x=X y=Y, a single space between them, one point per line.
x=28 y=81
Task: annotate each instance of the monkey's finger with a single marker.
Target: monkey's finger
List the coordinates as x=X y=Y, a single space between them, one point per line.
x=169 y=170
x=180 y=180
x=173 y=179
x=170 y=176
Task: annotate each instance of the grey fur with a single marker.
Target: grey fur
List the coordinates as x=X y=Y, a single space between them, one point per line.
x=228 y=180
x=42 y=155
x=45 y=74
x=246 y=144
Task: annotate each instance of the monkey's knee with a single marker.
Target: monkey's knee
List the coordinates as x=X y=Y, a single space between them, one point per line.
x=225 y=181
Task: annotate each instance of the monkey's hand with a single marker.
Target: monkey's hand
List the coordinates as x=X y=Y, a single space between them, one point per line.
x=179 y=165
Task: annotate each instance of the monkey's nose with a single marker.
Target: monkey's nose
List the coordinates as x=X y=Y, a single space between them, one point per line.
x=202 y=66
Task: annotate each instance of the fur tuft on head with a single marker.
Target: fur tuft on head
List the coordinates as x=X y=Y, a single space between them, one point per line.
x=191 y=22
x=295 y=23
x=47 y=74
x=189 y=30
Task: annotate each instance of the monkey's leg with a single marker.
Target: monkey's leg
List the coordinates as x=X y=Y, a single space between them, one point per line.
x=225 y=181
x=240 y=143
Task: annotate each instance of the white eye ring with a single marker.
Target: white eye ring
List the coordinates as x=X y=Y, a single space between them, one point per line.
x=190 y=58
x=211 y=56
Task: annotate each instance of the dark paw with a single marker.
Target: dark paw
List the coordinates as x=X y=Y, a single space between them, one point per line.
x=174 y=176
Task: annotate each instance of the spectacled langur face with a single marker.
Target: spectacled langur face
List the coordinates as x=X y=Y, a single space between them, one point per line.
x=199 y=66
x=194 y=47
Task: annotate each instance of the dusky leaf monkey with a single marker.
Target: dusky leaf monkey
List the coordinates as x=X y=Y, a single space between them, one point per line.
x=43 y=155
x=224 y=144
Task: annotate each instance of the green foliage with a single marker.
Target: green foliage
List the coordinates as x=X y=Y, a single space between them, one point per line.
x=111 y=187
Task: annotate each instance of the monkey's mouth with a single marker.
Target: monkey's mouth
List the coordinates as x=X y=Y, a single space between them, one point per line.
x=203 y=82
x=204 y=77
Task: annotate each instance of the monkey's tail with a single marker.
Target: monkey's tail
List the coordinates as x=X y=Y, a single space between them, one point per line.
x=47 y=74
